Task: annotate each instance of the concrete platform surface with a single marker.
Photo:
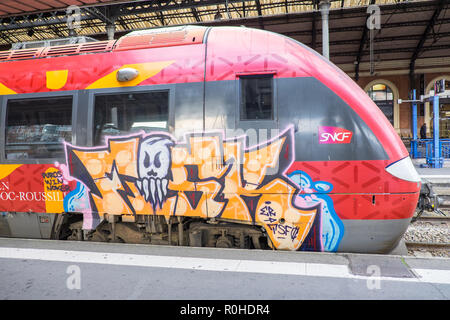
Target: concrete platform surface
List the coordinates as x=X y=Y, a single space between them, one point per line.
x=432 y=172
x=47 y=269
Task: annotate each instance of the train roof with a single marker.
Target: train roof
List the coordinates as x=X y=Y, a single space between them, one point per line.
x=142 y=39
x=231 y=52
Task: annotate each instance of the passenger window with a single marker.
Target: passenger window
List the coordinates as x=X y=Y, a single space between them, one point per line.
x=36 y=128
x=119 y=114
x=256 y=97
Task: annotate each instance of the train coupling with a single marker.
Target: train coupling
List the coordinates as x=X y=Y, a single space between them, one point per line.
x=428 y=200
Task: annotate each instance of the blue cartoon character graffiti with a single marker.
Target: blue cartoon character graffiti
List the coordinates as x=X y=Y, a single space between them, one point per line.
x=328 y=229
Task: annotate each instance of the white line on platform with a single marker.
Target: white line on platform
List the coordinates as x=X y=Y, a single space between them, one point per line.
x=208 y=264
x=436 y=176
x=435 y=276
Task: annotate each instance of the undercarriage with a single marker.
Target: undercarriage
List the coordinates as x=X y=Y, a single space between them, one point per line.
x=161 y=230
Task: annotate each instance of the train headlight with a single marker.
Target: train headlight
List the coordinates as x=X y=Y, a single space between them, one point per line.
x=126 y=74
x=404 y=169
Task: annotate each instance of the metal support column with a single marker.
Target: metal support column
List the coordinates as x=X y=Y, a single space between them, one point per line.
x=110 y=30
x=436 y=161
x=414 y=125
x=324 y=10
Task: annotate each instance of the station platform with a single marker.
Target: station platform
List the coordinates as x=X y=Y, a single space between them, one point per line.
x=433 y=175
x=50 y=269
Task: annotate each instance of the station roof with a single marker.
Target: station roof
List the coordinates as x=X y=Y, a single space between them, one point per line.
x=10 y=7
x=413 y=34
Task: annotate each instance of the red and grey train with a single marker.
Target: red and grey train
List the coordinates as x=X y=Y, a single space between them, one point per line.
x=198 y=136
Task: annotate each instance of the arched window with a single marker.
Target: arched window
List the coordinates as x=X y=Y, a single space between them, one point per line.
x=444 y=109
x=383 y=97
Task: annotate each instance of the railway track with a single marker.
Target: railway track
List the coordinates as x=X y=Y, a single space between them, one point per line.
x=434 y=220
x=411 y=245
x=429 y=235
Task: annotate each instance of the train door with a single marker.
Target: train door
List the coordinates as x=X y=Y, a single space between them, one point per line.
x=244 y=106
x=246 y=110
x=36 y=126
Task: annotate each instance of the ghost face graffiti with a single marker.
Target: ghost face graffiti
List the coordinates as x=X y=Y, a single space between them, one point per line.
x=154 y=161
x=204 y=176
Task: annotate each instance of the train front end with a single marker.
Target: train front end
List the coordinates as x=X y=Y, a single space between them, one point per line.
x=371 y=186
x=347 y=167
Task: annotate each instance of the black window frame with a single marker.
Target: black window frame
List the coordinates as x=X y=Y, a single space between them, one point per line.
x=128 y=90
x=40 y=95
x=254 y=75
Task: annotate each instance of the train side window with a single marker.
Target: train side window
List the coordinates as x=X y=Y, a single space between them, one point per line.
x=256 y=97
x=124 y=113
x=36 y=127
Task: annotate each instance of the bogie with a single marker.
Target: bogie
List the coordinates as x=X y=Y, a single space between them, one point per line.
x=153 y=229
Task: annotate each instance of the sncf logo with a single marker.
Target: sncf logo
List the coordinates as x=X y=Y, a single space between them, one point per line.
x=334 y=135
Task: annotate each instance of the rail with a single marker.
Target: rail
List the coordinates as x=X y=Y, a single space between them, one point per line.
x=427 y=245
x=427 y=235
x=433 y=219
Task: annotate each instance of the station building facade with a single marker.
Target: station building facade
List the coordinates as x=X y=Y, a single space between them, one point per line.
x=386 y=87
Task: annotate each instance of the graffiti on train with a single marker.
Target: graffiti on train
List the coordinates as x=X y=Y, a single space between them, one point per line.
x=204 y=176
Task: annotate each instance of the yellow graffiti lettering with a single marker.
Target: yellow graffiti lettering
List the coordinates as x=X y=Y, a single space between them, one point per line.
x=207 y=177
